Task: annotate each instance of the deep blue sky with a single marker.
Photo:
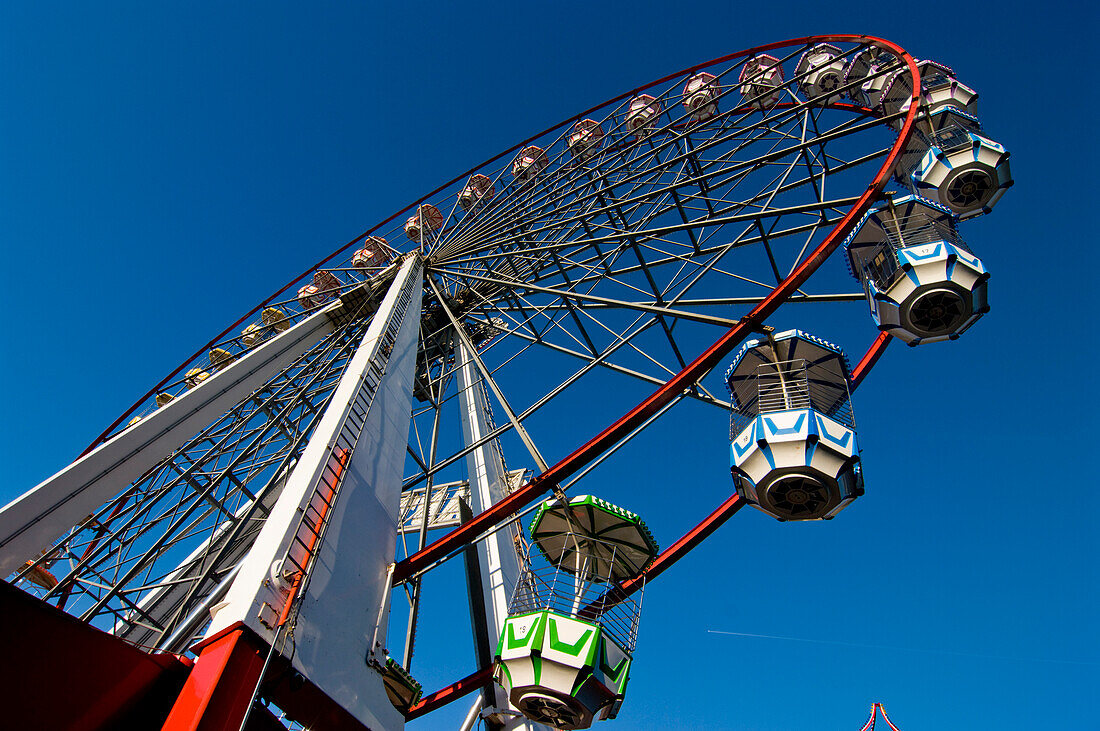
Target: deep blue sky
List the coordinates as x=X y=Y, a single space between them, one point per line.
x=162 y=169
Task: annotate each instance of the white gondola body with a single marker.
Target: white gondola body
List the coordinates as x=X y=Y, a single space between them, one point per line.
x=780 y=447
x=793 y=451
x=761 y=82
x=936 y=275
x=425 y=222
x=478 y=188
x=824 y=73
x=362 y=258
x=309 y=297
x=871 y=91
x=374 y=252
x=532 y=161
x=922 y=283
x=968 y=178
x=700 y=96
x=585 y=138
x=548 y=661
x=939 y=90
x=412 y=228
x=641 y=118
x=865 y=73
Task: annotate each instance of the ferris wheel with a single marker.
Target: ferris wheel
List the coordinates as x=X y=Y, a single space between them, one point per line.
x=234 y=541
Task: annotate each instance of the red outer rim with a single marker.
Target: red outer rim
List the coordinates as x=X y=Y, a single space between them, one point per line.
x=705 y=362
x=867 y=362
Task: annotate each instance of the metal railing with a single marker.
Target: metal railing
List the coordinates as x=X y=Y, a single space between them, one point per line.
x=881 y=265
x=954 y=133
x=579 y=586
x=792 y=384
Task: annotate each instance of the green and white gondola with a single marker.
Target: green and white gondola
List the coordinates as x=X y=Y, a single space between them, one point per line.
x=565 y=652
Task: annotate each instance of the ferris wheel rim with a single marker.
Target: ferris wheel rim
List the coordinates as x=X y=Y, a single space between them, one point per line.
x=693 y=372
x=882 y=176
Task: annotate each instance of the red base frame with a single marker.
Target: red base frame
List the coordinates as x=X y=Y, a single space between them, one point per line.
x=217 y=693
x=59 y=672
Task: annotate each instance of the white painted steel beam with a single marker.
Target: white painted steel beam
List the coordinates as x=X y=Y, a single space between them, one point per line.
x=35 y=520
x=345 y=591
x=500 y=564
x=443 y=511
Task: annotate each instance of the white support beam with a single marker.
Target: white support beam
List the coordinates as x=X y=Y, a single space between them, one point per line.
x=500 y=564
x=336 y=608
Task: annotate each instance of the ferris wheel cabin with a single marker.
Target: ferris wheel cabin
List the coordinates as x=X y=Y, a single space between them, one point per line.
x=793 y=450
x=701 y=96
x=272 y=322
x=585 y=138
x=324 y=288
x=948 y=158
x=566 y=647
x=221 y=358
x=962 y=169
x=867 y=73
x=939 y=90
x=373 y=253
x=532 y=161
x=820 y=72
x=761 y=81
x=478 y=188
x=641 y=117
x=922 y=282
x=426 y=221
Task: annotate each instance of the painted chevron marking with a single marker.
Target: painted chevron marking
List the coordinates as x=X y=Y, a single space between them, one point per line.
x=573 y=649
x=749 y=442
x=824 y=429
x=514 y=642
x=777 y=431
x=614 y=673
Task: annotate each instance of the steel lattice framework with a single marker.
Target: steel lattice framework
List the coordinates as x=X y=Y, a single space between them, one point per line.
x=647 y=253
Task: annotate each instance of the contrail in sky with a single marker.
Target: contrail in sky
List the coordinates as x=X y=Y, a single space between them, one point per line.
x=902 y=649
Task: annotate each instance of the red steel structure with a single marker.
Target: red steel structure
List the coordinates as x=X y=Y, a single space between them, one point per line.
x=876 y=709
